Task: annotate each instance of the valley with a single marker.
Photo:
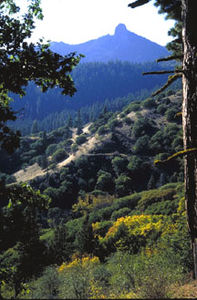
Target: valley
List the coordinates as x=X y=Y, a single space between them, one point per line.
x=86 y=212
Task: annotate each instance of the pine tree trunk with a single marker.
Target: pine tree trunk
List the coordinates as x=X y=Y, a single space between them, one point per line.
x=189 y=114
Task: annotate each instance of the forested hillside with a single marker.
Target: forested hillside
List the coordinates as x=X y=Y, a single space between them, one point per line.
x=96 y=83
x=129 y=140
x=106 y=208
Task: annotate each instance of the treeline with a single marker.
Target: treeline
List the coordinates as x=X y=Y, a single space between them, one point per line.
x=95 y=83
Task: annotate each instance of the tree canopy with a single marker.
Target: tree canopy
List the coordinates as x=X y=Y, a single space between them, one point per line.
x=22 y=61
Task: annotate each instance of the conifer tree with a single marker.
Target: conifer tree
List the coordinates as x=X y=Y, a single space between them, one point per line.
x=79 y=123
x=184 y=12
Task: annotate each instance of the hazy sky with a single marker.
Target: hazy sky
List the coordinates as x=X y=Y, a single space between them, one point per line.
x=77 y=21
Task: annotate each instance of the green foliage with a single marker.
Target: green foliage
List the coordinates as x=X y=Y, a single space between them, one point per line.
x=171 y=114
x=121 y=268
x=47 y=286
x=104 y=181
x=120 y=213
x=123 y=185
x=19 y=222
x=153 y=196
x=155 y=274
x=51 y=149
x=102 y=130
x=143 y=126
x=45 y=68
x=149 y=103
x=142 y=145
x=59 y=155
x=135 y=163
x=161 y=109
x=59 y=246
x=81 y=139
x=119 y=164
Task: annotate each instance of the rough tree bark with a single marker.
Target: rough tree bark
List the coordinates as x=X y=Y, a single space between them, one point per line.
x=189 y=115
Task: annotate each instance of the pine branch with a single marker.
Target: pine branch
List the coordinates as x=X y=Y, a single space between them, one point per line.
x=170 y=58
x=159 y=72
x=138 y=3
x=180 y=153
x=171 y=79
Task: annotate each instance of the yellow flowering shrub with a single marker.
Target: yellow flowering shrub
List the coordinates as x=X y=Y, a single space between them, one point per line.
x=137 y=225
x=100 y=228
x=82 y=262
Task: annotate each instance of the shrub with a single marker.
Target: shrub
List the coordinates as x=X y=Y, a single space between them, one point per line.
x=142 y=145
x=51 y=148
x=113 y=123
x=59 y=155
x=47 y=286
x=171 y=114
x=120 y=213
x=134 y=107
x=105 y=181
x=81 y=139
x=76 y=278
x=143 y=126
x=102 y=130
x=128 y=201
x=161 y=109
x=153 y=196
x=119 y=164
x=101 y=228
x=123 y=185
x=120 y=266
x=149 y=103
x=155 y=274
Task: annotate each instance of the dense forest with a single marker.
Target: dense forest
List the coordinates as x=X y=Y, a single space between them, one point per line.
x=96 y=83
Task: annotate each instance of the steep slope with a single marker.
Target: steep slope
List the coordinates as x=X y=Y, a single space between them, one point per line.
x=123 y=45
x=135 y=136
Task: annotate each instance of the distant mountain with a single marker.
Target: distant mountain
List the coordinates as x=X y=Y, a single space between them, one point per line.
x=123 y=45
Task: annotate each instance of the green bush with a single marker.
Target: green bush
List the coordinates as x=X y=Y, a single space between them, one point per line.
x=121 y=268
x=102 y=130
x=120 y=213
x=171 y=114
x=154 y=275
x=134 y=107
x=59 y=155
x=47 y=286
x=143 y=126
x=149 y=103
x=81 y=139
x=161 y=109
x=153 y=196
x=128 y=201
x=51 y=148
x=142 y=145
x=123 y=185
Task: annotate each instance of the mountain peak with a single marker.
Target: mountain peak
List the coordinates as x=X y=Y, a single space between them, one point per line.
x=120 y=29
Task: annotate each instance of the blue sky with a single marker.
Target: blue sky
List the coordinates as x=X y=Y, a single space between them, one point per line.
x=77 y=21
